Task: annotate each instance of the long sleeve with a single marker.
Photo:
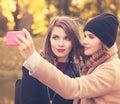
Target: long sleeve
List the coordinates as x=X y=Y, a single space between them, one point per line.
x=99 y=82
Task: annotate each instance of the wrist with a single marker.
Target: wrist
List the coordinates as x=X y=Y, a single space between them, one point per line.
x=32 y=62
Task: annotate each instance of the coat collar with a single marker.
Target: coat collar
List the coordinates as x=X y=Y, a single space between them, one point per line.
x=113 y=50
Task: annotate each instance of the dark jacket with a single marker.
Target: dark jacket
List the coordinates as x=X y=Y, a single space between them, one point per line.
x=30 y=91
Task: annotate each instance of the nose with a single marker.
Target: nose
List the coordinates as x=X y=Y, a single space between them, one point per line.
x=84 y=41
x=61 y=42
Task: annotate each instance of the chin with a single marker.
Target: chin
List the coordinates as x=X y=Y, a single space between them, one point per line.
x=88 y=54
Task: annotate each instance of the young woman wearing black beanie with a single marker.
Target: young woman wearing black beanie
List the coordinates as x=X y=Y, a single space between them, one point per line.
x=99 y=82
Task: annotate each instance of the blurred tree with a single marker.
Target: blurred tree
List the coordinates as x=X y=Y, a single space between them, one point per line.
x=3 y=26
x=90 y=8
x=63 y=7
x=7 y=8
x=36 y=16
x=41 y=11
x=15 y=16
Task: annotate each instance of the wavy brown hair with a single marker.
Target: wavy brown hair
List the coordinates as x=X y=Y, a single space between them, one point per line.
x=71 y=28
x=96 y=59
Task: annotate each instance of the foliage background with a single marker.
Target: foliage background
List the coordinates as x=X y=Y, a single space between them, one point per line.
x=36 y=16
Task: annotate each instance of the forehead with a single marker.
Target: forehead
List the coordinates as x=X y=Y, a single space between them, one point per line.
x=58 y=31
x=88 y=33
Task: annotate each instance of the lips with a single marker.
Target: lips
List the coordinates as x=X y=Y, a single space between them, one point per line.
x=86 y=48
x=60 y=50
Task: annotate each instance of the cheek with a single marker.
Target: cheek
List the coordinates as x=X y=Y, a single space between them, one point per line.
x=52 y=44
x=97 y=46
x=69 y=44
x=95 y=49
x=97 y=42
x=69 y=47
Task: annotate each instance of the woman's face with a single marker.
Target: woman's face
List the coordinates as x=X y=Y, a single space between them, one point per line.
x=91 y=43
x=61 y=45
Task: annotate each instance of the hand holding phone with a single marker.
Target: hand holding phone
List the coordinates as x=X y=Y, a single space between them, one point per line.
x=10 y=37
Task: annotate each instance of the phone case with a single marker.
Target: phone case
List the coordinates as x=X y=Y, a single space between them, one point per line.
x=10 y=37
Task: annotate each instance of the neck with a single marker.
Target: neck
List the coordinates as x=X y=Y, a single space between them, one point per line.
x=63 y=60
x=62 y=65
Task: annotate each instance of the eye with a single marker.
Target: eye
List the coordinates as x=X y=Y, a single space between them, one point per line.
x=55 y=37
x=67 y=38
x=91 y=36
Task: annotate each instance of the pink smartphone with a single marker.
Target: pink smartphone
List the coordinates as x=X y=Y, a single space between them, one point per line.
x=10 y=37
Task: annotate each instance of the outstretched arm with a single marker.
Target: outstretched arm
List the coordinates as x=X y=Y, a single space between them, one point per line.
x=70 y=88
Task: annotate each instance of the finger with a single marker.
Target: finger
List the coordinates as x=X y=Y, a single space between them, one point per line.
x=21 y=41
x=18 y=41
x=21 y=38
x=28 y=36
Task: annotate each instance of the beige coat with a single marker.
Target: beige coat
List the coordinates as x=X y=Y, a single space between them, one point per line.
x=102 y=86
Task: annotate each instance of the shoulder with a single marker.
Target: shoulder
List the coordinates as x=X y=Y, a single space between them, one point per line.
x=106 y=71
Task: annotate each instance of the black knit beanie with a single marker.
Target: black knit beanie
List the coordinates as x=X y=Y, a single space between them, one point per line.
x=105 y=27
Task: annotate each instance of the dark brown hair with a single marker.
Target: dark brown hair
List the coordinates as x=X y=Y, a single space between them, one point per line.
x=70 y=26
